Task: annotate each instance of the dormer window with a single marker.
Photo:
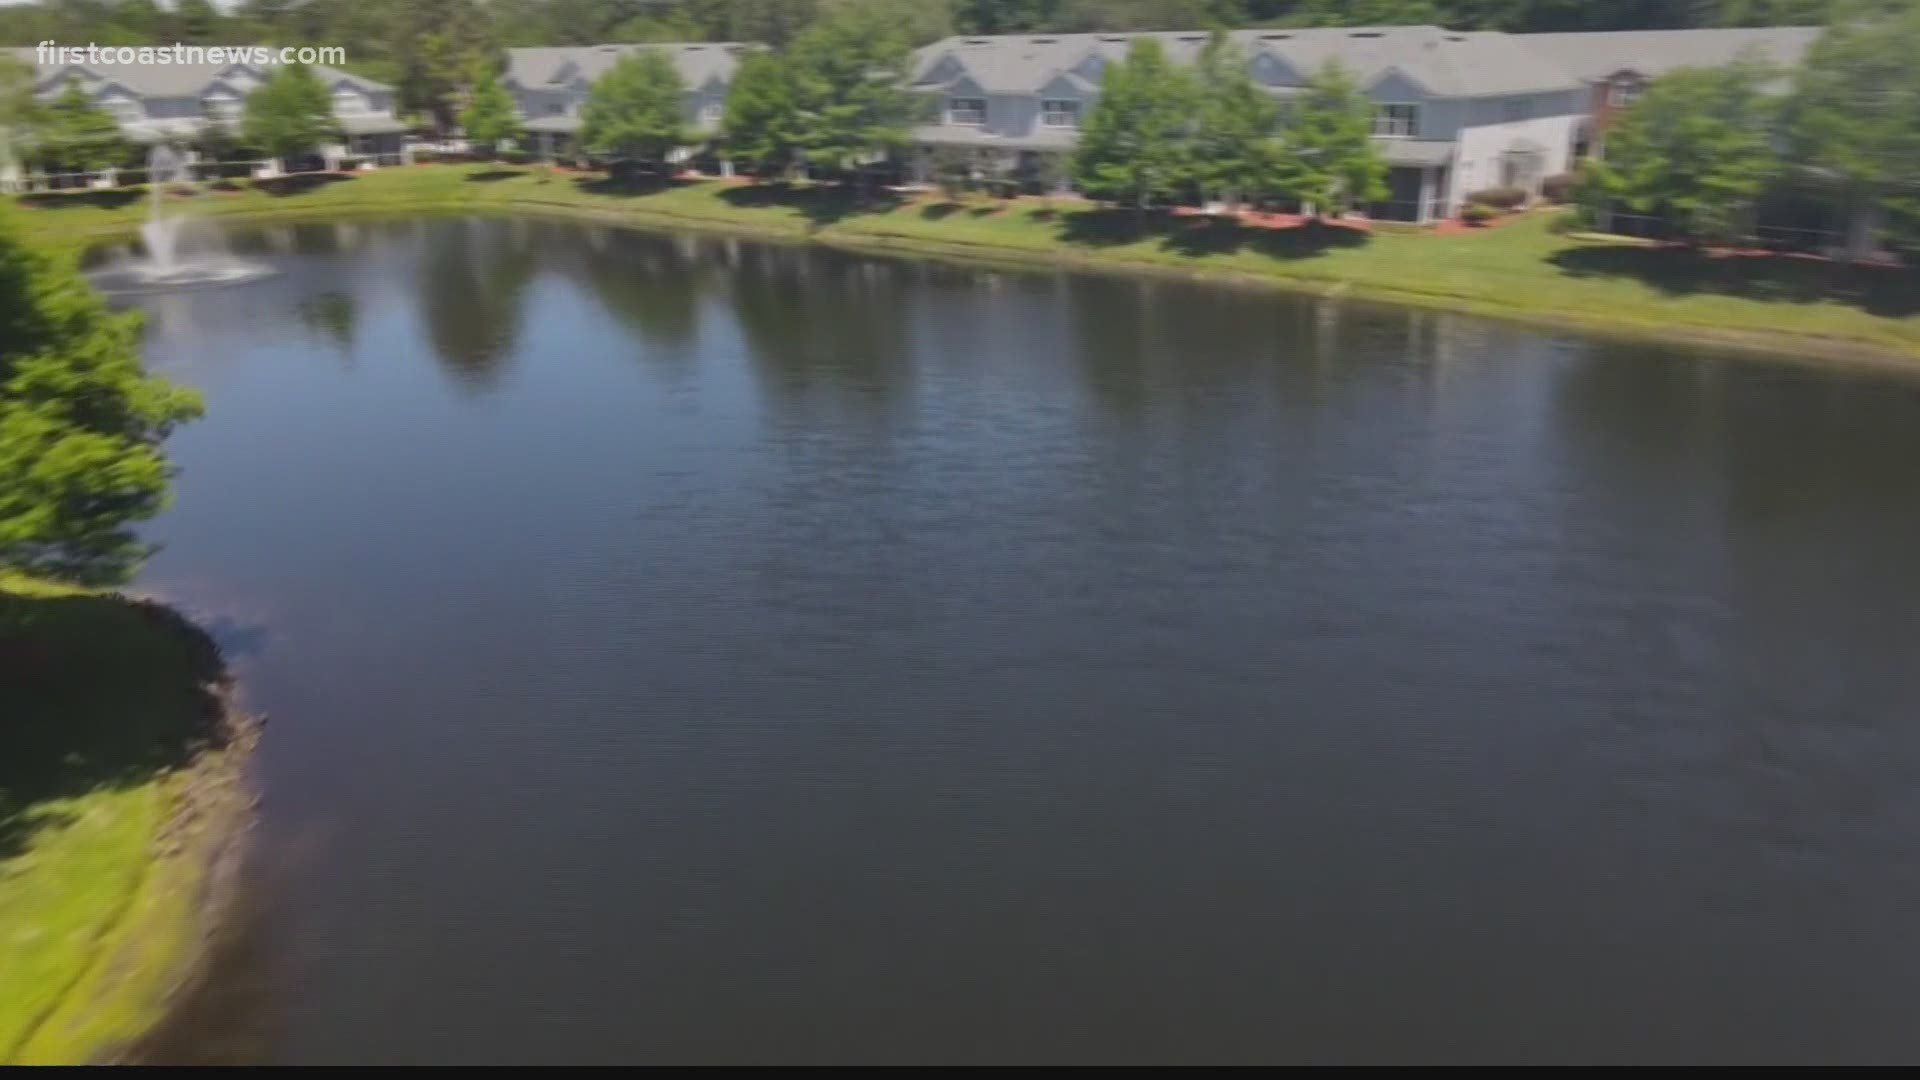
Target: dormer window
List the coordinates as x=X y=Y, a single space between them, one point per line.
x=222 y=106
x=124 y=110
x=969 y=111
x=711 y=112
x=348 y=101
x=1059 y=113
x=1396 y=121
x=1624 y=91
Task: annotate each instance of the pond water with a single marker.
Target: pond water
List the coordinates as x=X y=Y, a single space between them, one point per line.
x=694 y=650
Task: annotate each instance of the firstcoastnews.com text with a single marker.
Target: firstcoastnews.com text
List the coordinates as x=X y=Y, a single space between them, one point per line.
x=53 y=54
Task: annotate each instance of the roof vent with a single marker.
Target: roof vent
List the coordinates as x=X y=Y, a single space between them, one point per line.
x=1456 y=37
x=976 y=41
x=1194 y=37
x=1044 y=40
x=1276 y=37
x=1366 y=34
x=1117 y=38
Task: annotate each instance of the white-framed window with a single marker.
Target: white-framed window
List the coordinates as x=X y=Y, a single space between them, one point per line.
x=347 y=101
x=124 y=110
x=1396 y=121
x=967 y=110
x=1623 y=92
x=1059 y=113
x=222 y=106
x=1517 y=109
x=711 y=112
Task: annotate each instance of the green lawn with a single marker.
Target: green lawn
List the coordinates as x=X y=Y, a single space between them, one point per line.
x=1522 y=270
x=114 y=782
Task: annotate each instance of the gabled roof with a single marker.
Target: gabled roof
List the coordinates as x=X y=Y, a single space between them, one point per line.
x=187 y=80
x=1444 y=62
x=550 y=66
x=1652 y=53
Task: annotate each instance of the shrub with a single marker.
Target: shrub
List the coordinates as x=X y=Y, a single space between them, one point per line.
x=516 y=156
x=1558 y=188
x=1500 y=198
x=1477 y=213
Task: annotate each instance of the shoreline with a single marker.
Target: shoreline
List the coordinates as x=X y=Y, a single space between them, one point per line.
x=132 y=966
x=1881 y=343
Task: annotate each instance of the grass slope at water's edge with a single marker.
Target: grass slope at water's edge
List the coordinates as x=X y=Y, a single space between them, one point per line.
x=120 y=789
x=1520 y=271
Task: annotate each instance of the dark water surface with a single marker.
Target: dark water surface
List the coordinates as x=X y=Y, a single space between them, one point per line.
x=690 y=650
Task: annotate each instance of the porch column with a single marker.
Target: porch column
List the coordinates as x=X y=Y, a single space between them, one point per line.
x=1424 y=212
x=1863 y=228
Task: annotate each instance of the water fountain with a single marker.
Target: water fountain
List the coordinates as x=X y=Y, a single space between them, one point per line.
x=181 y=249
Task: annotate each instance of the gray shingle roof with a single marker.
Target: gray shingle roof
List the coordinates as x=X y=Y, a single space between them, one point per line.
x=186 y=80
x=1652 y=53
x=1446 y=63
x=697 y=62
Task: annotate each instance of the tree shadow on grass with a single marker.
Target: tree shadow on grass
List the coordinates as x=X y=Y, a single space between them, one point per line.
x=301 y=183
x=629 y=185
x=1197 y=235
x=1676 y=271
x=96 y=691
x=939 y=211
x=821 y=204
x=102 y=198
x=489 y=176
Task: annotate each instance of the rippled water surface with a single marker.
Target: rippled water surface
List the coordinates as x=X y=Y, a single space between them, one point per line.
x=691 y=650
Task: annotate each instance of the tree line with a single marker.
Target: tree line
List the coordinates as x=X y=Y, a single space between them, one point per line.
x=428 y=48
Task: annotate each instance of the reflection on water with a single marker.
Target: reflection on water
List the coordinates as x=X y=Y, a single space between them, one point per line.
x=698 y=650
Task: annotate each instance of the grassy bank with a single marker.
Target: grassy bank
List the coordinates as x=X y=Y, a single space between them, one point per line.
x=119 y=793
x=1523 y=270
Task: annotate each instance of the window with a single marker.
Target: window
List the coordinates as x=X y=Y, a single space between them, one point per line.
x=223 y=106
x=1396 y=121
x=1518 y=109
x=346 y=101
x=1059 y=113
x=1623 y=93
x=967 y=110
x=711 y=112
x=124 y=110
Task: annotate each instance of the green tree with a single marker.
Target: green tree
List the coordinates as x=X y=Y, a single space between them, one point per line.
x=80 y=422
x=72 y=135
x=290 y=113
x=491 y=118
x=1328 y=155
x=1699 y=146
x=848 y=69
x=1855 y=110
x=1133 y=145
x=195 y=21
x=441 y=43
x=775 y=22
x=762 y=125
x=1234 y=150
x=637 y=111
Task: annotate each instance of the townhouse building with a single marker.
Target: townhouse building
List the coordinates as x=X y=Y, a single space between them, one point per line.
x=550 y=85
x=1454 y=112
x=1617 y=66
x=156 y=103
